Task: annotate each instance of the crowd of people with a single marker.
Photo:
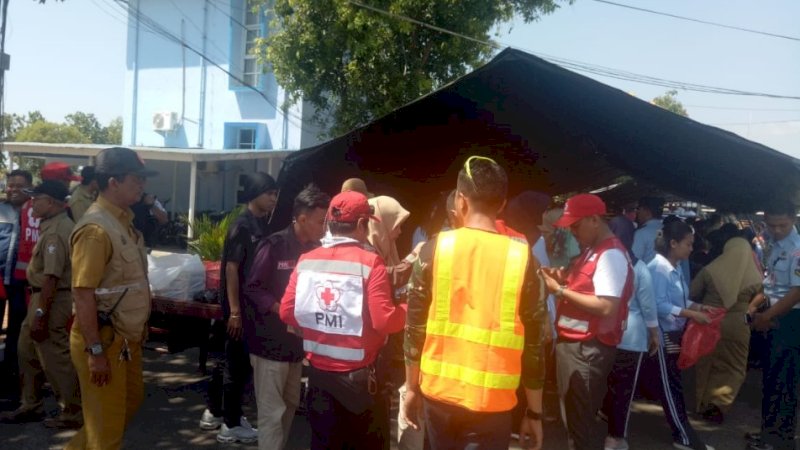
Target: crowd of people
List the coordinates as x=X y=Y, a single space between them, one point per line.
x=498 y=299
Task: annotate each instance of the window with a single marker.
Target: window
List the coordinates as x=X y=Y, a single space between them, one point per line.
x=252 y=25
x=246 y=139
x=246 y=136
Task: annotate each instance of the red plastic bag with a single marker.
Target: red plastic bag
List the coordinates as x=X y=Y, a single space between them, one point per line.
x=700 y=340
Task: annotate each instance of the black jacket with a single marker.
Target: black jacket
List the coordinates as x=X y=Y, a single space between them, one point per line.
x=264 y=332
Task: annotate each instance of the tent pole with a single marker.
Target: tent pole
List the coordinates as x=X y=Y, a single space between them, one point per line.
x=192 y=196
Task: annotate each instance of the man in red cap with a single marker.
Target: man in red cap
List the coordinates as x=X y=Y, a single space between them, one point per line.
x=340 y=297
x=592 y=304
x=59 y=171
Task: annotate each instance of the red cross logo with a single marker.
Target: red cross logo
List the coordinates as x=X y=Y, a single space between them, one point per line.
x=328 y=296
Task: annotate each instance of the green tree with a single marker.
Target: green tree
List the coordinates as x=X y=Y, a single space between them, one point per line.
x=54 y=133
x=670 y=102
x=113 y=132
x=88 y=125
x=353 y=64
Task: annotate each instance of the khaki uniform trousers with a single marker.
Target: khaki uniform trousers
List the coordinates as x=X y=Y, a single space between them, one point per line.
x=49 y=359
x=109 y=409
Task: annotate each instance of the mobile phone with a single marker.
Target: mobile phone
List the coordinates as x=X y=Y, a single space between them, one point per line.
x=748 y=319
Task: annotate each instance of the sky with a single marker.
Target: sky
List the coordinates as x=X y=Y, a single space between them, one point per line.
x=70 y=56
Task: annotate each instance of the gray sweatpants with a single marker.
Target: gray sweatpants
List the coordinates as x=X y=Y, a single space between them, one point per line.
x=582 y=369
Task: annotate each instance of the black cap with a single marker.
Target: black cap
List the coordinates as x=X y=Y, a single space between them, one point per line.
x=87 y=174
x=121 y=161
x=51 y=188
x=255 y=184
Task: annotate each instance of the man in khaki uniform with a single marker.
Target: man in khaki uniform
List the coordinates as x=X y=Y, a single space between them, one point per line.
x=44 y=341
x=109 y=280
x=83 y=196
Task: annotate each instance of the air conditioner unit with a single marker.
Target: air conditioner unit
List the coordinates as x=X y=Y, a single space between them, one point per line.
x=165 y=121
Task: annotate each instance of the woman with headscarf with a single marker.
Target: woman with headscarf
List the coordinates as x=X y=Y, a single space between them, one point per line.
x=561 y=244
x=383 y=237
x=731 y=281
x=391 y=366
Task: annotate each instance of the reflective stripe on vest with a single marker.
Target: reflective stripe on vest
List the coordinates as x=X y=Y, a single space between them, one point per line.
x=332 y=351
x=118 y=289
x=475 y=365
x=335 y=266
x=573 y=324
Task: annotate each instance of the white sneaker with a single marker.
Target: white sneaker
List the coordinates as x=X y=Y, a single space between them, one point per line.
x=243 y=422
x=236 y=434
x=209 y=422
x=613 y=443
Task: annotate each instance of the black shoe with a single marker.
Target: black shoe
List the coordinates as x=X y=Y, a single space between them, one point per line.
x=755 y=441
x=760 y=445
x=22 y=416
x=713 y=414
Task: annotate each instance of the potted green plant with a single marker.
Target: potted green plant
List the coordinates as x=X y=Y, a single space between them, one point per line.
x=209 y=238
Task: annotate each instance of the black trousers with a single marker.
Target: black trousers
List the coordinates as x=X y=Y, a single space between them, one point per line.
x=781 y=377
x=334 y=426
x=449 y=427
x=17 y=310
x=663 y=372
x=582 y=369
x=229 y=376
x=621 y=385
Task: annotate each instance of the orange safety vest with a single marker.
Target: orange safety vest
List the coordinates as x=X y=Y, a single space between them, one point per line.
x=472 y=355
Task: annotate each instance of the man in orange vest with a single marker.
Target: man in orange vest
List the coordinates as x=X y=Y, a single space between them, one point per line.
x=474 y=325
x=591 y=309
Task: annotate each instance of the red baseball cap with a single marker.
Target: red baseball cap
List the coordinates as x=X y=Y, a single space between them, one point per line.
x=350 y=206
x=59 y=171
x=579 y=207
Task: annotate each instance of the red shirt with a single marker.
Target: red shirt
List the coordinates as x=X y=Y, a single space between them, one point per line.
x=506 y=230
x=379 y=314
x=28 y=235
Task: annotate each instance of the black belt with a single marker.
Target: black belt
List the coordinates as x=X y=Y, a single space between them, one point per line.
x=36 y=290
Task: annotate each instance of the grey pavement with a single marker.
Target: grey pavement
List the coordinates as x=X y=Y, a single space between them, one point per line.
x=174 y=402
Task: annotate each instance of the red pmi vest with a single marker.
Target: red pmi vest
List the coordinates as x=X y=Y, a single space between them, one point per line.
x=28 y=235
x=331 y=307
x=576 y=324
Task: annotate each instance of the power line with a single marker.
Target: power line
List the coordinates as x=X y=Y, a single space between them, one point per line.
x=196 y=27
x=705 y=22
x=768 y=122
x=735 y=108
x=581 y=66
x=166 y=34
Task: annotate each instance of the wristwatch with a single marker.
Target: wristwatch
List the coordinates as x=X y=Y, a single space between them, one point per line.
x=531 y=414
x=95 y=349
x=39 y=313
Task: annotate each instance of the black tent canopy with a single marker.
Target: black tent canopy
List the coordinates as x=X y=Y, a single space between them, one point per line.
x=553 y=130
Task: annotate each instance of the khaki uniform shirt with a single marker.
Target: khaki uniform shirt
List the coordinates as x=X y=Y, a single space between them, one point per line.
x=80 y=200
x=51 y=253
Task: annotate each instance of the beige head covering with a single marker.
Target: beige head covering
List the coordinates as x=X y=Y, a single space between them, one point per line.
x=392 y=215
x=550 y=217
x=356 y=184
x=734 y=270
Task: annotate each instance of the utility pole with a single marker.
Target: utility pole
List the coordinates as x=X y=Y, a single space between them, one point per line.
x=5 y=63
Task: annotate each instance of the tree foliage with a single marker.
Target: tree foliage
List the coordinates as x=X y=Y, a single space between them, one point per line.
x=78 y=128
x=353 y=64
x=670 y=102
